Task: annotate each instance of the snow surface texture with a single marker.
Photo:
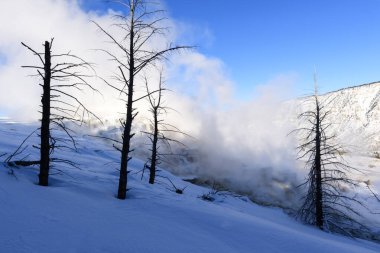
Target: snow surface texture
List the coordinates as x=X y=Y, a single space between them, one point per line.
x=79 y=212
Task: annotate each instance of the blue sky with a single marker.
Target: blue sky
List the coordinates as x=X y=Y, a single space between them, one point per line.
x=259 y=40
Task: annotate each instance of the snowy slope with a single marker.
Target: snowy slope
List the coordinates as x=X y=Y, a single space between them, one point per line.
x=79 y=213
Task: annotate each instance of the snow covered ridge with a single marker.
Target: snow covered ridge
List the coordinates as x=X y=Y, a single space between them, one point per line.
x=79 y=213
x=355 y=117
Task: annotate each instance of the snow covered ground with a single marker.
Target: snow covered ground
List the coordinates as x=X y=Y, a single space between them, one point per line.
x=79 y=212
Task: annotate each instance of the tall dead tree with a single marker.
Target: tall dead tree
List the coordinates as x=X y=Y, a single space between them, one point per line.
x=58 y=105
x=327 y=203
x=132 y=54
x=314 y=200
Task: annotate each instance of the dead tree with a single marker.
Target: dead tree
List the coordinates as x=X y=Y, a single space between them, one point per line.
x=159 y=129
x=155 y=109
x=313 y=204
x=134 y=55
x=59 y=73
x=326 y=205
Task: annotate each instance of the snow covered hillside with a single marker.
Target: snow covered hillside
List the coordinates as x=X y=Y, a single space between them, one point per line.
x=79 y=211
x=355 y=117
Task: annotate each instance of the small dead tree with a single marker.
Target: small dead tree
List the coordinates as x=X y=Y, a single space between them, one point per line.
x=159 y=129
x=59 y=73
x=155 y=109
x=134 y=55
x=327 y=203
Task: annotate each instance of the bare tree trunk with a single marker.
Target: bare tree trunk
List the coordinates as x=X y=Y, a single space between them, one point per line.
x=318 y=170
x=122 y=189
x=153 y=161
x=45 y=122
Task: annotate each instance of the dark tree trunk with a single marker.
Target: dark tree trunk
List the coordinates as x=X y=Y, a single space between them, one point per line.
x=45 y=122
x=153 y=160
x=318 y=171
x=122 y=189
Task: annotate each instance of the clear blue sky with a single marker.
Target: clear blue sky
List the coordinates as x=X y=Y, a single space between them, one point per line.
x=260 y=39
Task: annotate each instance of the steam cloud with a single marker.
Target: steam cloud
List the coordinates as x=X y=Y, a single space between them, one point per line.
x=242 y=143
